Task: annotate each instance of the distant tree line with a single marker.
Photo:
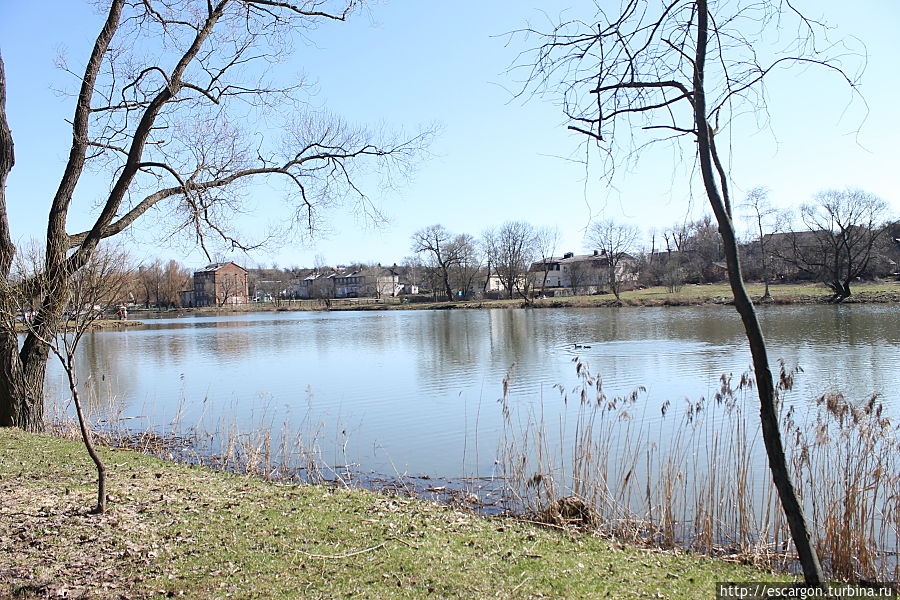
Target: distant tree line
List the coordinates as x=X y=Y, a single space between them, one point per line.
x=841 y=237
x=159 y=284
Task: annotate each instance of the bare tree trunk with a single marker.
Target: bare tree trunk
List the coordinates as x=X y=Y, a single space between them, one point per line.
x=809 y=560
x=614 y=283
x=7 y=160
x=21 y=386
x=86 y=437
x=544 y=280
x=23 y=370
x=445 y=274
x=13 y=407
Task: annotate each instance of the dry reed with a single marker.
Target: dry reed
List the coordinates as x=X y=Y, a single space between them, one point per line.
x=696 y=475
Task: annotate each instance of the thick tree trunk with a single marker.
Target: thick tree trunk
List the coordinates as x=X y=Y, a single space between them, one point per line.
x=23 y=369
x=840 y=290
x=447 y=289
x=22 y=383
x=7 y=160
x=843 y=291
x=793 y=510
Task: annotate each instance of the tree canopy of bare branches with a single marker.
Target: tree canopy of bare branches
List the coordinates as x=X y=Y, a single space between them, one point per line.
x=615 y=241
x=683 y=70
x=842 y=229
x=513 y=252
x=468 y=266
x=547 y=241
x=444 y=252
x=177 y=105
x=761 y=213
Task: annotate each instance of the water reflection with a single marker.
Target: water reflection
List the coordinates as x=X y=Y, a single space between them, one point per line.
x=416 y=390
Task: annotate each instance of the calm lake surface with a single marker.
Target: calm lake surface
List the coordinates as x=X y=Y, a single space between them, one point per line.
x=417 y=392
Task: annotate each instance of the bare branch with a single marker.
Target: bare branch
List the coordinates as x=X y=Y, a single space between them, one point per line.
x=181 y=107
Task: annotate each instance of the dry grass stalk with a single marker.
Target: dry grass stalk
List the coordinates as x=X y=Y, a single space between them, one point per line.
x=695 y=476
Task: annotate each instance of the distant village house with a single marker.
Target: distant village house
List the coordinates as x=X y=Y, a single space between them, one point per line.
x=368 y=282
x=580 y=273
x=362 y=282
x=219 y=284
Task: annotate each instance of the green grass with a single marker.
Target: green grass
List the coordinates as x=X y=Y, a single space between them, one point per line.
x=690 y=294
x=174 y=530
x=98 y=324
x=756 y=290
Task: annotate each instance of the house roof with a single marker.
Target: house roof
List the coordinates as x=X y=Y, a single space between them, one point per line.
x=570 y=258
x=369 y=272
x=212 y=267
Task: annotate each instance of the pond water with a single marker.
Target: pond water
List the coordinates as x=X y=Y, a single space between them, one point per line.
x=417 y=392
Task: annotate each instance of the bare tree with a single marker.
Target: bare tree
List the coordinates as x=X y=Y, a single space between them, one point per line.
x=468 y=265
x=673 y=274
x=175 y=279
x=704 y=249
x=842 y=230
x=694 y=247
x=322 y=287
x=546 y=241
x=412 y=272
x=150 y=282
x=175 y=105
x=514 y=252
x=615 y=241
x=97 y=285
x=580 y=276
x=681 y=70
x=230 y=288
x=761 y=213
x=488 y=244
x=274 y=284
x=443 y=250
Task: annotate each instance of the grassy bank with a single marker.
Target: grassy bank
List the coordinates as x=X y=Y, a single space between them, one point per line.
x=688 y=295
x=98 y=324
x=174 y=530
x=720 y=293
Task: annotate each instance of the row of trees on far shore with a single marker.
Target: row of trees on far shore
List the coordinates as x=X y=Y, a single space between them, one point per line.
x=840 y=237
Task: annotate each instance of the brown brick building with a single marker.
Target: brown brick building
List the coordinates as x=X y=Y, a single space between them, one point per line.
x=221 y=284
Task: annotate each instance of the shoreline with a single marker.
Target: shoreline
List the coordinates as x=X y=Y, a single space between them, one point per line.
x=179 y=530
x=689 y=295
x=98 y=324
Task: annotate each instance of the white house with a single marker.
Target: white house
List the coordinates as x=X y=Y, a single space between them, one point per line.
x=579 y=273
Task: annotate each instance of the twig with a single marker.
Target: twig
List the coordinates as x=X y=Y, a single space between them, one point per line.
x=524 y=581
x=404 y=542
x=560 y=527
x=347 y=555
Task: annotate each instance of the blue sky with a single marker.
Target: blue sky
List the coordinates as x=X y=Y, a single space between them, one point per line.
x=406 y=64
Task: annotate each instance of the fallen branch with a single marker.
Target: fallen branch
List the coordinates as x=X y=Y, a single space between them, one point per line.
x=347 y=555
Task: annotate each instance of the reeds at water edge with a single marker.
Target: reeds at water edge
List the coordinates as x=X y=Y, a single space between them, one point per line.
x=696 y=476
x=276 y=453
